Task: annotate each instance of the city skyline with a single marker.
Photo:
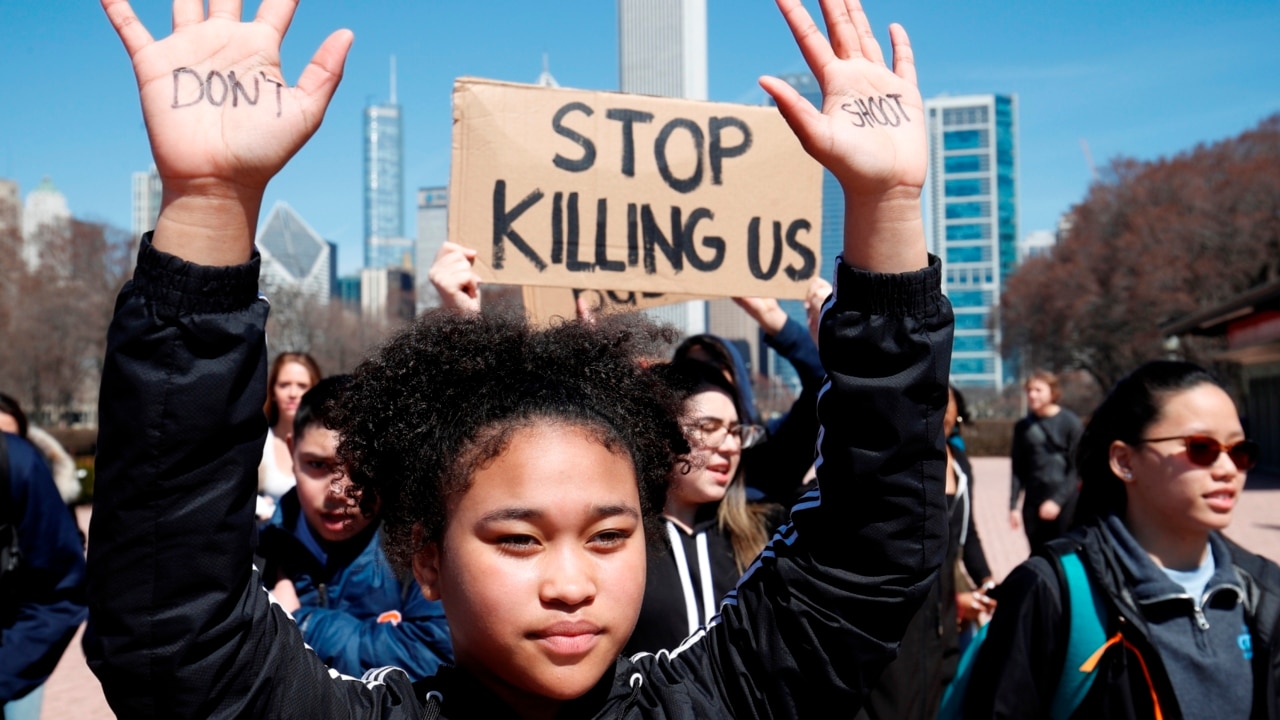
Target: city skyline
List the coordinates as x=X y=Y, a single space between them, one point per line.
x=1131 y=78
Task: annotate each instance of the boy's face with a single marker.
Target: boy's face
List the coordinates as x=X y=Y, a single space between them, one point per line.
x=322 y=486
x=542 y=569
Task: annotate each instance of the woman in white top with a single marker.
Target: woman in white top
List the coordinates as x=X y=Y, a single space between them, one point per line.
x=292 y=374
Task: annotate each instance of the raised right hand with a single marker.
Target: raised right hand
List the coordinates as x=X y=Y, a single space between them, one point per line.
x=453 y=277
x=220 y=116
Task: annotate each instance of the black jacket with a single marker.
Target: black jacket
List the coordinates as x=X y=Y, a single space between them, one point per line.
x=181 y=628
x=1020 y=662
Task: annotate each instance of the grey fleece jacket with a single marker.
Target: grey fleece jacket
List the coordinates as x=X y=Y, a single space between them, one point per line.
x=1203 y=641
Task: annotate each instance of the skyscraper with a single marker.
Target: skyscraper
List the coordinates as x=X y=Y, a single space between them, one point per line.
x=147 y=193
x=384 y=242
x=972 y=204
x=45 y=218
x=294 y=256
x=433 y=231
x=662 y=50
x=662 y=47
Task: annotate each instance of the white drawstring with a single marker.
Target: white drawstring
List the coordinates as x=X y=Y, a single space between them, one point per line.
x=686 y=582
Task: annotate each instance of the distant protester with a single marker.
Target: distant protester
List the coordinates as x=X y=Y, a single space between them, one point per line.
x=1044 y=464
x=291 y=375
x=42 y=570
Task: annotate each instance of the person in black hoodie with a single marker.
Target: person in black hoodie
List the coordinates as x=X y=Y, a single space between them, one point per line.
x=711 y=533
x=517 y=467
x=1190 y=618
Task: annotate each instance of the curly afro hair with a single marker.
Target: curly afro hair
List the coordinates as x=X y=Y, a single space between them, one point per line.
x=444 y=397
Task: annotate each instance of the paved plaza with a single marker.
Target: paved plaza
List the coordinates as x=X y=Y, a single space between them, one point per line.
x=73 y=693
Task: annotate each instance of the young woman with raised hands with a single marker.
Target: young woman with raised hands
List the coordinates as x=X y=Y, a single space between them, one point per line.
x=517 y=468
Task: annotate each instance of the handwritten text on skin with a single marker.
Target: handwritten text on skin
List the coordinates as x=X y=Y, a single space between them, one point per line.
x=191 y=87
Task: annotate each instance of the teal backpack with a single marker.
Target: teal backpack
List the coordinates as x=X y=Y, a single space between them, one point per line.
x=1087 y=635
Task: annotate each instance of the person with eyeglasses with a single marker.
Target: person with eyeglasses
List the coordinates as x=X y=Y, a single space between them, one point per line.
x=1189 y=619
x=712 y=532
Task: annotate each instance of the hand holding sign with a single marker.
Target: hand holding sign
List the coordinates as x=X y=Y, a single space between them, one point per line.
x=220 y=117
x=453 y=278
x=870 y=132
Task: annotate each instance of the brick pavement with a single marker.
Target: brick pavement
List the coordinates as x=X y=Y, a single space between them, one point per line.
x=73 y=693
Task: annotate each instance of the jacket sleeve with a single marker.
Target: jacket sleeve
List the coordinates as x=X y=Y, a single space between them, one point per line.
x=1014 y=675
x=778 y=466
x=1071 y=477
x=796 y=347
x=1018 y=463
x=975 y=558
x=50 y=600
x=180 y=626
x=821 y=612
x=419 y=643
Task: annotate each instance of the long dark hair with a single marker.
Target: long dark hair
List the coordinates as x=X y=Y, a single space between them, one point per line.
x=9 y=406
x=1128 y=410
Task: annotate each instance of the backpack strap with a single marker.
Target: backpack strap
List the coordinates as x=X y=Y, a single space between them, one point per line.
x=1086 y=634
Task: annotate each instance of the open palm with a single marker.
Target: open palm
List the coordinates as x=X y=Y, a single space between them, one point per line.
x=203 y=128
x=870 y=132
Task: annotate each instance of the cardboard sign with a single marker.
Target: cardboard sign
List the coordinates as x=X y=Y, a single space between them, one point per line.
x=543 y=304
x=605 y=191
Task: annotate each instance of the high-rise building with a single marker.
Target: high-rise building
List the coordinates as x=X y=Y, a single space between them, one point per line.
x=147 y=194
x=972 y=205
x=662 y=50
x=44 y=218
x=662 y=47
x=384 y=242
x=1035 y=244
x=433 y=231
x=294 y=256
x=386 y=294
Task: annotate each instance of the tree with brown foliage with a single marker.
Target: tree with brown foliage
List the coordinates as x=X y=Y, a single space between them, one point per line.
x=1152 y=242
x=55 y=317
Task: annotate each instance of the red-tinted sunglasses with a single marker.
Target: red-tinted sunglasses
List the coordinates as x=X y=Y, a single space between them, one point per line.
x=1204 y=450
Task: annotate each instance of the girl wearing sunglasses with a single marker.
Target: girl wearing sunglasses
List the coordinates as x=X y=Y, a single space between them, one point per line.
x=1189 y=617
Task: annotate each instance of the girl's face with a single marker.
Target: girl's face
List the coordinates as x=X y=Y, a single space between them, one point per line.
x=1039 y=396
x=542 y=566
x=8 y=423
x=716 y=452
x=1166 y=491
x=293 y=381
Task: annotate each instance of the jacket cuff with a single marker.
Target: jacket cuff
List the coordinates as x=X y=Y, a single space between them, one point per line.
x=916 y=293
x=177 y=287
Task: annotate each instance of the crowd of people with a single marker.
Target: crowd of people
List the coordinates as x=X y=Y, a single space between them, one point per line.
x=491 y=519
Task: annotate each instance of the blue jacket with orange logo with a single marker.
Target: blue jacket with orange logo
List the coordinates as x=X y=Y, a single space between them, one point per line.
x=356 y=614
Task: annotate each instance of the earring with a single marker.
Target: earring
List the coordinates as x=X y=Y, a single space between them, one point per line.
x=1128 y=475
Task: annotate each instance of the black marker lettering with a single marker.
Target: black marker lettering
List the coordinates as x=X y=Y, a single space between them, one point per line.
x=588 y=148
x=279 y=104
x=628 y=118
x=633 y=236
x=810 y=262
x=862 y=108
x=572 y=263
x=653 y=238
x=208 y=88
x=692 y=182
x=753 y=250
x=618 y=299
x=855 y=117
x=557 y=228
x=901 y=111
x=602 y=235
x=177 y=77
x=873 y=104
x=502 y=220
x=718 y=151
x=715 y=244
x=238 y=90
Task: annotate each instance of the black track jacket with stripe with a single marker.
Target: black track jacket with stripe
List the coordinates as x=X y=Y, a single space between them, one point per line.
x=180 y=626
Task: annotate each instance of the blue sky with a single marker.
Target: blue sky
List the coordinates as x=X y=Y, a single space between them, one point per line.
x=1132 y=78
